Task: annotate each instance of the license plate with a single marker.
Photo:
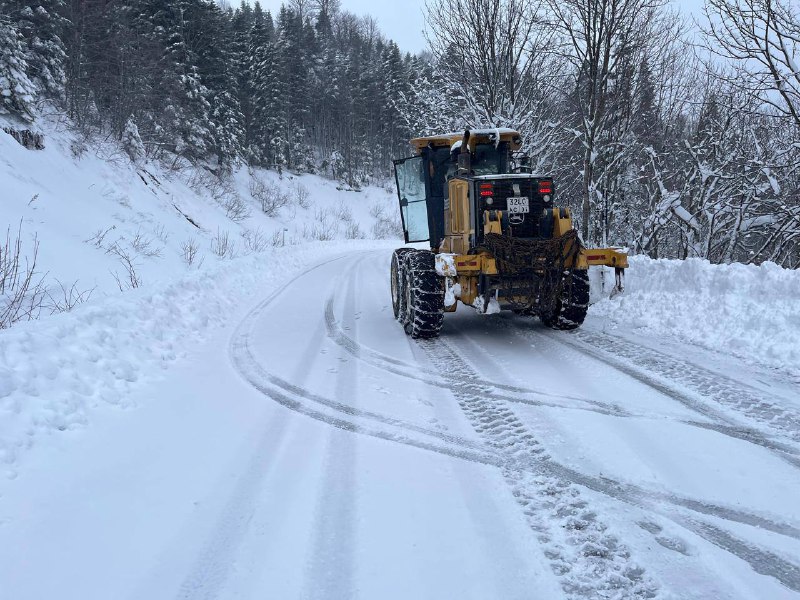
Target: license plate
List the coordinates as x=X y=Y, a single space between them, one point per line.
x=518 y=205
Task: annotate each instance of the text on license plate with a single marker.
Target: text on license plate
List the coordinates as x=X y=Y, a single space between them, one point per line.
x=518 y=205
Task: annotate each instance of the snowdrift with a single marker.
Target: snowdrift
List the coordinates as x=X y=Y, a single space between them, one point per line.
x=750 y=311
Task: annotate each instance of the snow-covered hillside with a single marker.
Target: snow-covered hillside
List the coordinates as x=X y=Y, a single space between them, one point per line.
x=103 y=223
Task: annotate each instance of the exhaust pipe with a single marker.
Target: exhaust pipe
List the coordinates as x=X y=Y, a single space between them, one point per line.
x=464 y=157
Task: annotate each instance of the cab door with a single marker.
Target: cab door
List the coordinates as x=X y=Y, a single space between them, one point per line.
x=410 y=178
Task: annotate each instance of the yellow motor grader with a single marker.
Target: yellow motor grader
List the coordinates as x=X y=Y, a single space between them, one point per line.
x=497 y=240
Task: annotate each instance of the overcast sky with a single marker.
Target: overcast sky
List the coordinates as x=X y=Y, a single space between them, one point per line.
x=404 y=20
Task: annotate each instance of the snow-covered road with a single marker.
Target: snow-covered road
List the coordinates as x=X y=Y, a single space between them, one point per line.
x=312 y=450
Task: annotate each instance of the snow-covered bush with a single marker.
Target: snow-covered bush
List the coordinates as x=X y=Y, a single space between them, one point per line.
x=387 y=225
x=235 y=208
x=132 y=142
x=64 y=298
x=22 y=288
x=222 y=245
x=145 y=246
x=353 y=231
x=255 y=240
x=344 y=212
x=130 y=279
x=221 y=189
x=189 y=251
x=325 y=226
x=271 y=197
x=301 y=196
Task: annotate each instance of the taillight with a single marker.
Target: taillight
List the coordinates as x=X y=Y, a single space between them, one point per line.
x=485 y=190
x=545 y=187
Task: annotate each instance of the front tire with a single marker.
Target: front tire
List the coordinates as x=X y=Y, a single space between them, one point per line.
x=424 y=295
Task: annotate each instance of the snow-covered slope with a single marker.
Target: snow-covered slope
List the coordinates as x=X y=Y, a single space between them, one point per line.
x=91 y=210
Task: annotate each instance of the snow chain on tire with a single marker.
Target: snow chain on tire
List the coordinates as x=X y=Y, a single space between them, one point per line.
x=397 y=283
x=571 y=300
x=424 y=295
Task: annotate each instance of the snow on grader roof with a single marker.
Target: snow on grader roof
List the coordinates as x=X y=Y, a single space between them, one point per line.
x=493 y=135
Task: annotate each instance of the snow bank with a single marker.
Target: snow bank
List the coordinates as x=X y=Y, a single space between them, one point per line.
x=55 y=372
x=752 y=312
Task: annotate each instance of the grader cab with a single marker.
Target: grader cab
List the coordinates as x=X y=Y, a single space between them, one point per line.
x=497 y=239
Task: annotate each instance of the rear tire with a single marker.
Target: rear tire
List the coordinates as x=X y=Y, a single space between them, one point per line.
x=571 y=304
x=398 y=283
x=424 y=295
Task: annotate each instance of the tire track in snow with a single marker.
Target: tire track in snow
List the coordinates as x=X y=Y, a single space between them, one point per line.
x=615 y=489
x=332 y=412
x=312 y=404
x=725 y=395
x=332 y=568
x=629 y=492
x=590 y=561
x=625 y=491
x=423 y=375
x=211 y=568
x=718 y=423
x=558 y=478
x=762 y=561
x=431 y=377
x=735 y=395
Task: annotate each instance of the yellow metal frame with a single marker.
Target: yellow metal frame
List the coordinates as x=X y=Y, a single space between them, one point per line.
x=609 y=257
x=469 y=267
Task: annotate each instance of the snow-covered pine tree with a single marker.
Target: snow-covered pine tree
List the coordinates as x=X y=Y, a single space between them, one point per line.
x=268 y=95
x=292 y=73
x=42 y=25
x=394 y=86
x=17 y=92
x=214 y=59
x=241 y=24
x=187 y=126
